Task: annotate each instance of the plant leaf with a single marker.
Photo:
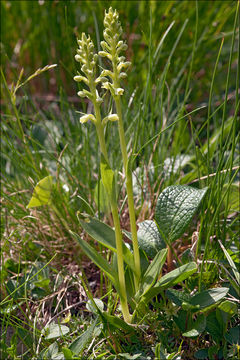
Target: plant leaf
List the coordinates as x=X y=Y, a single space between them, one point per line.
x=116 y=322
x=98 y=260
x=51 y=352
x=55 y=330
x=101 y=198
x=153 y=271
x=172 y=278
x=177 y=275
x=107 y=177
x=92 y=306
x=105 y=235
x=197 y=328
x=41 y=193
x=149 y=238
x=177 y=296
x=81 y=342
x=175 y=208
x=231 y=263
x=213 y=327
x=228 y=307
x=209 y=297
x=233 y=336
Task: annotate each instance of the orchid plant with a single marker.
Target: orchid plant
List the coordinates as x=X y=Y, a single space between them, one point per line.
x=134 y=270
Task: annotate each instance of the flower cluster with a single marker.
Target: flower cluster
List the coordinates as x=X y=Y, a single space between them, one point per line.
x=112 y=47
x=88 y=59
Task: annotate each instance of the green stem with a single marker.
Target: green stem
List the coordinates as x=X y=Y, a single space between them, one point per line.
x=118 y=233
x=122 y=284
x=129 y=185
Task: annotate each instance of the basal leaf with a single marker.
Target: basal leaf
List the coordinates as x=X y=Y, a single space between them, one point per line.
x=105 y=235
x=149 y=238
x=197 y=327
x=78 y=345
x=100 y=232
x=209 y=297
x=175 y=208
x=153 y=271
x=91 y=305
x=177 y=275
x=41 y=193
x=172 y=278
x=228 y=307
x=233 y=336
x=98 y=260
x=177 y=296
x=213 y=327
x=116 y=322
x=55 y=330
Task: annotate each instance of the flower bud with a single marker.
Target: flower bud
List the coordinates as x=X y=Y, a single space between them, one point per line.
x=123 y=65
x=78 y=78
x=119 y=91
x=88 y=117
x=122 y=75
x=103 y=53
x=101 y=79
x=81 y=94
x=119 y=43
x=105 y=46
x=107 y=73
x=78 y=58
x=111 y=117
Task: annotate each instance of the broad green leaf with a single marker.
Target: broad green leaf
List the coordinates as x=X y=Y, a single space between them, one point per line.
x=209 y=297
x=78 y=345
x=153 y=271
x=107 y=177
x=55 y=330
x=92 y=306
x=67 y=353
x=105 y=235
x=231 y=263
x=229 y=308
x=177 y=296
x=172 y=278
x=213 y=327
x=232 y=200
x=213 y=352
x=233 y=336
x=175 y=208
x=41 y=193
x=173 y=164
x=116 y=322
x=127 y=356
x=177 y=275
x=198 y=327
x=98 y=260
x=51 y=352
x=201 y=354
x=149 y=238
